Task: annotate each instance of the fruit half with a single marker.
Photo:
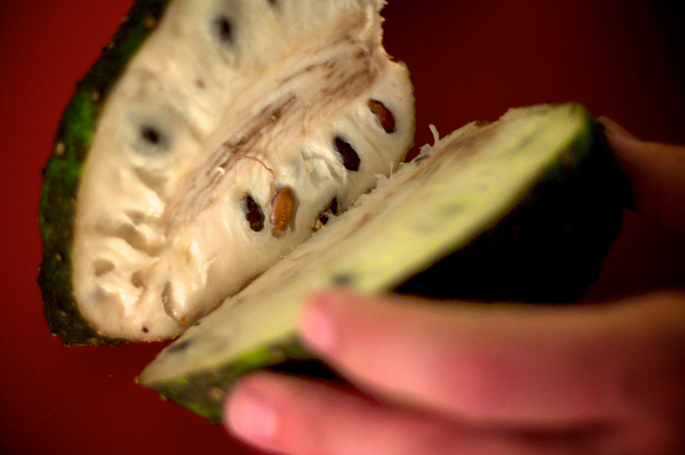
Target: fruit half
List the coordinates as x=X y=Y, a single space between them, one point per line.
x=211 y=138
x=522 y=209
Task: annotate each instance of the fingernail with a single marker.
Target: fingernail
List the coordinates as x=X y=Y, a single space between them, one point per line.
x=252 y=416
x=318 y=326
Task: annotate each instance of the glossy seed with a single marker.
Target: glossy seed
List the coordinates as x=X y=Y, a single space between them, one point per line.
x=253 y=213
x=350 y=158
x=384 y=116
x=284 y=208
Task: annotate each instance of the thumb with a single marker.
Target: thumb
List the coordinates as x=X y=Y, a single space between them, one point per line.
x=656 y=172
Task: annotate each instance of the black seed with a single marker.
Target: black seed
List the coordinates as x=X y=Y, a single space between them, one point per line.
x=349 y=156
x=224 y=29
x=253 y=213
x=385 y=117
x=151 y=135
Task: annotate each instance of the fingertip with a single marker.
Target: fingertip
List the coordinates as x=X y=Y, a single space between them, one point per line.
x=251 y=415
x=317 y=323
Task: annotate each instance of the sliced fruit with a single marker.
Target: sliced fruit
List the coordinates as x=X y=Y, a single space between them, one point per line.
x=210 y=139
x=537 y=193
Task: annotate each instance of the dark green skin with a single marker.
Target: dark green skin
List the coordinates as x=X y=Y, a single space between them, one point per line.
x=550 y=247
x=203 y=393
x=547 y=249
x=62 y=174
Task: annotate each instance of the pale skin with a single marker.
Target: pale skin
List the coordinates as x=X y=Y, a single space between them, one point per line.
x=607 y=378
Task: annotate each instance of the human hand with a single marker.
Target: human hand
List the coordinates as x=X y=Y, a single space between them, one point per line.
x=498 y=379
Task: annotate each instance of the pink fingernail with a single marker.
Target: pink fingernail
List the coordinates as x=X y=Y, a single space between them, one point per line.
x=252 y=416
x=318 y=327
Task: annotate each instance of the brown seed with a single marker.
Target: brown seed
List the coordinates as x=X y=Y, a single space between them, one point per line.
x=385 y=117
x=284 y=208
x=349 y=156
x=253 y=213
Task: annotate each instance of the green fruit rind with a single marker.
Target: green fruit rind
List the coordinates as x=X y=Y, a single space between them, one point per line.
x=62 y=174
x=485 y=189
x=203 y=393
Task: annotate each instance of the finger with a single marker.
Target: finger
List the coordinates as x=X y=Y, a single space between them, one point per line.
x=286 y=415
x=291 y=416
x=656 y=172
x=509 y=364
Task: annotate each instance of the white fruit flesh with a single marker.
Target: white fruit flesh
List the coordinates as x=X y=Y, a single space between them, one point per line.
x=225 y=100
x=429 y=208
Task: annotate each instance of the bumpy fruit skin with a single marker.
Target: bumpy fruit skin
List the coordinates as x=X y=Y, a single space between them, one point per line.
x=204 y=393
x=63 y=172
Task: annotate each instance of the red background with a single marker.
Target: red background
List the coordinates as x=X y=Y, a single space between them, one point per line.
x=469 y=60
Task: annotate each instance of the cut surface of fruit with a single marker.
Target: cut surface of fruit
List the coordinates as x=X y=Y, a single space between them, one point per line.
x=234 y=129
x=466 y=187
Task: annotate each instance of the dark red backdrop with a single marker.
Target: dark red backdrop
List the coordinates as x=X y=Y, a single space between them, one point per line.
x=469 y=60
